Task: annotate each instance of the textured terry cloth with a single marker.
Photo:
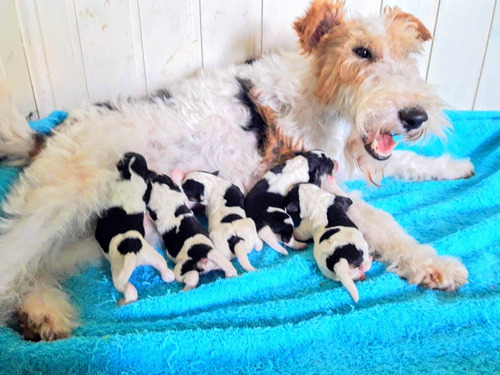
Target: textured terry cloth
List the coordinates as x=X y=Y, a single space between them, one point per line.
x=287 y=318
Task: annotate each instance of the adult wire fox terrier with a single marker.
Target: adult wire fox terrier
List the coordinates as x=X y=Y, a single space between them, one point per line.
x=353 y=86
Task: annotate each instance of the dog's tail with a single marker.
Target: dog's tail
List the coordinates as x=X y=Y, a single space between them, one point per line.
x=341 y=269
x=17 y=139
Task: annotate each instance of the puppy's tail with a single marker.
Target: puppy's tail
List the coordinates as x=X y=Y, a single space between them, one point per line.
x=341 y=269
x=267 y=235
x=17 y=139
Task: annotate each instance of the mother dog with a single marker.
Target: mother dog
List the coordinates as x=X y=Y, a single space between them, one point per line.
x=353 y=87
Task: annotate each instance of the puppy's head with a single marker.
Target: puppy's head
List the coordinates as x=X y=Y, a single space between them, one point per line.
x=194 y=190
x=320 y=166
x=133 y=163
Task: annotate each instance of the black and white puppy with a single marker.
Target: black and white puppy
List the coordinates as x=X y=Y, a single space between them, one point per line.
x=340 y=249
x=186 y=240
x=120 y=228
x=231 y=231
x=265 y=202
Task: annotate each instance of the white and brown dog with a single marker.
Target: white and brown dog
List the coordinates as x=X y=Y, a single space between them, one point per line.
x=231 y=231
x=120 y=228
x=340 y=249
x=187 y=241
x=351 y=88
x=265 y=203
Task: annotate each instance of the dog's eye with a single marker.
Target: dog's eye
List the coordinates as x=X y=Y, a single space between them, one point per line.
x=363 y=52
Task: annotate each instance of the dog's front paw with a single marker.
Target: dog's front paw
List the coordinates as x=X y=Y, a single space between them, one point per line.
x=445 y=273
x=455 y=169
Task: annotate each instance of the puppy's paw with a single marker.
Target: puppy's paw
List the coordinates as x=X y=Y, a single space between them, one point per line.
x=445 y=273
x=37 y=327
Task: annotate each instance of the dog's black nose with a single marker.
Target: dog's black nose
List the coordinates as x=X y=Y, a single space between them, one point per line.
x=412 y=118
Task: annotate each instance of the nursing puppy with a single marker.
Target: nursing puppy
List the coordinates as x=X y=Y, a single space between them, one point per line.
x=187 y=242
x=230 y=230
x=340 y=250
x=265 y=202
x=120 y=228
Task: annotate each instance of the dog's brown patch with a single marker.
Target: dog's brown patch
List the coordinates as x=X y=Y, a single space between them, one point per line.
x=38 y=145
x=277 y=147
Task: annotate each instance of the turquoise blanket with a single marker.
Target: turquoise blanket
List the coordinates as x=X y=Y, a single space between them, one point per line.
x=286 y=318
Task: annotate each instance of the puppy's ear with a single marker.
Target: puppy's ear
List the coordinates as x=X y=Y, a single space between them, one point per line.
x=194 y=190
x=216 y=173
x=292 y=200
x=406 y=24
x=321 y=18
x=343 y=202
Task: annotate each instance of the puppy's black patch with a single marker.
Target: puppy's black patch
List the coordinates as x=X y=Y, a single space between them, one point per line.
x=130 y=245
x=135 y=162
x=230 y=218
x=190 y=265
x=278 y=169
x=193 y=189
x=338 y=217
x=232 y=241
x=234 y=197
x=152 y=214
x=319 y=165
x=182 y=210
x=349 y=252
x=177 y=236
x=165 y=180
x=115 y=221
x=199 y=251
x=256 y=123
x=328 y=233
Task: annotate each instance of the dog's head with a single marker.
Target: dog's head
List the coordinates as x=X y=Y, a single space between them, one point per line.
x=196 y=184
x=366 y=68
x=320 y=166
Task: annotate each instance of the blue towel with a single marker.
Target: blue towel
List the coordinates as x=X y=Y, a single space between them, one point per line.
x=287 y=318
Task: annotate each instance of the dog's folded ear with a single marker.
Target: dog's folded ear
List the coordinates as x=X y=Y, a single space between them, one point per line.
x=343 y=202
x=321 y=18
x=406 y=24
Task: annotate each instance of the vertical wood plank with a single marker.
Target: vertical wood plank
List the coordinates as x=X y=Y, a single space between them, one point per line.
x=109 y=50
x=13 y=65
x=231 y=31
x=35 y=56
x=363 y=7
x=488 y=92
x=63 y=53
x=425 y=11
x=171 y=39
x=459 y=45
x=277 y=23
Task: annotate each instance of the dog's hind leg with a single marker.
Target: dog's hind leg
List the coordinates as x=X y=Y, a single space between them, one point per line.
x=215 y=256
x=241 y=249
x=46 y=313
x=267 y=235
x=418 y=263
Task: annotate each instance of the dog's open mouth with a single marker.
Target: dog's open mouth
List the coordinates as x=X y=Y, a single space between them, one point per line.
x=380 y=146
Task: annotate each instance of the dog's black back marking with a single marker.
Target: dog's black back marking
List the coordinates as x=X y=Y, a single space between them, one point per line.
x=256 y=123
x=232 y=241
x=230 y=218
x=115 y=221
x=328 y=233
x=163 y=94
x=130 y=245
x=349 y=252
x=176 y=237
x=234 y=197
x=106 y=104
x=165 y=180
x=193 y=189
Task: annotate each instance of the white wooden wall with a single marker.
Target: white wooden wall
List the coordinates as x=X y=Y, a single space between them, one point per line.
x=56 y=53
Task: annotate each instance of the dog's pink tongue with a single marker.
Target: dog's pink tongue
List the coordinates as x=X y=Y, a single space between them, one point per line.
x=385 y=143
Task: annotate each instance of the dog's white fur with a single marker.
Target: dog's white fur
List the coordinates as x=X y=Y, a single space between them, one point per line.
x=314 y=203
x=58 y=195
x=220 y=232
